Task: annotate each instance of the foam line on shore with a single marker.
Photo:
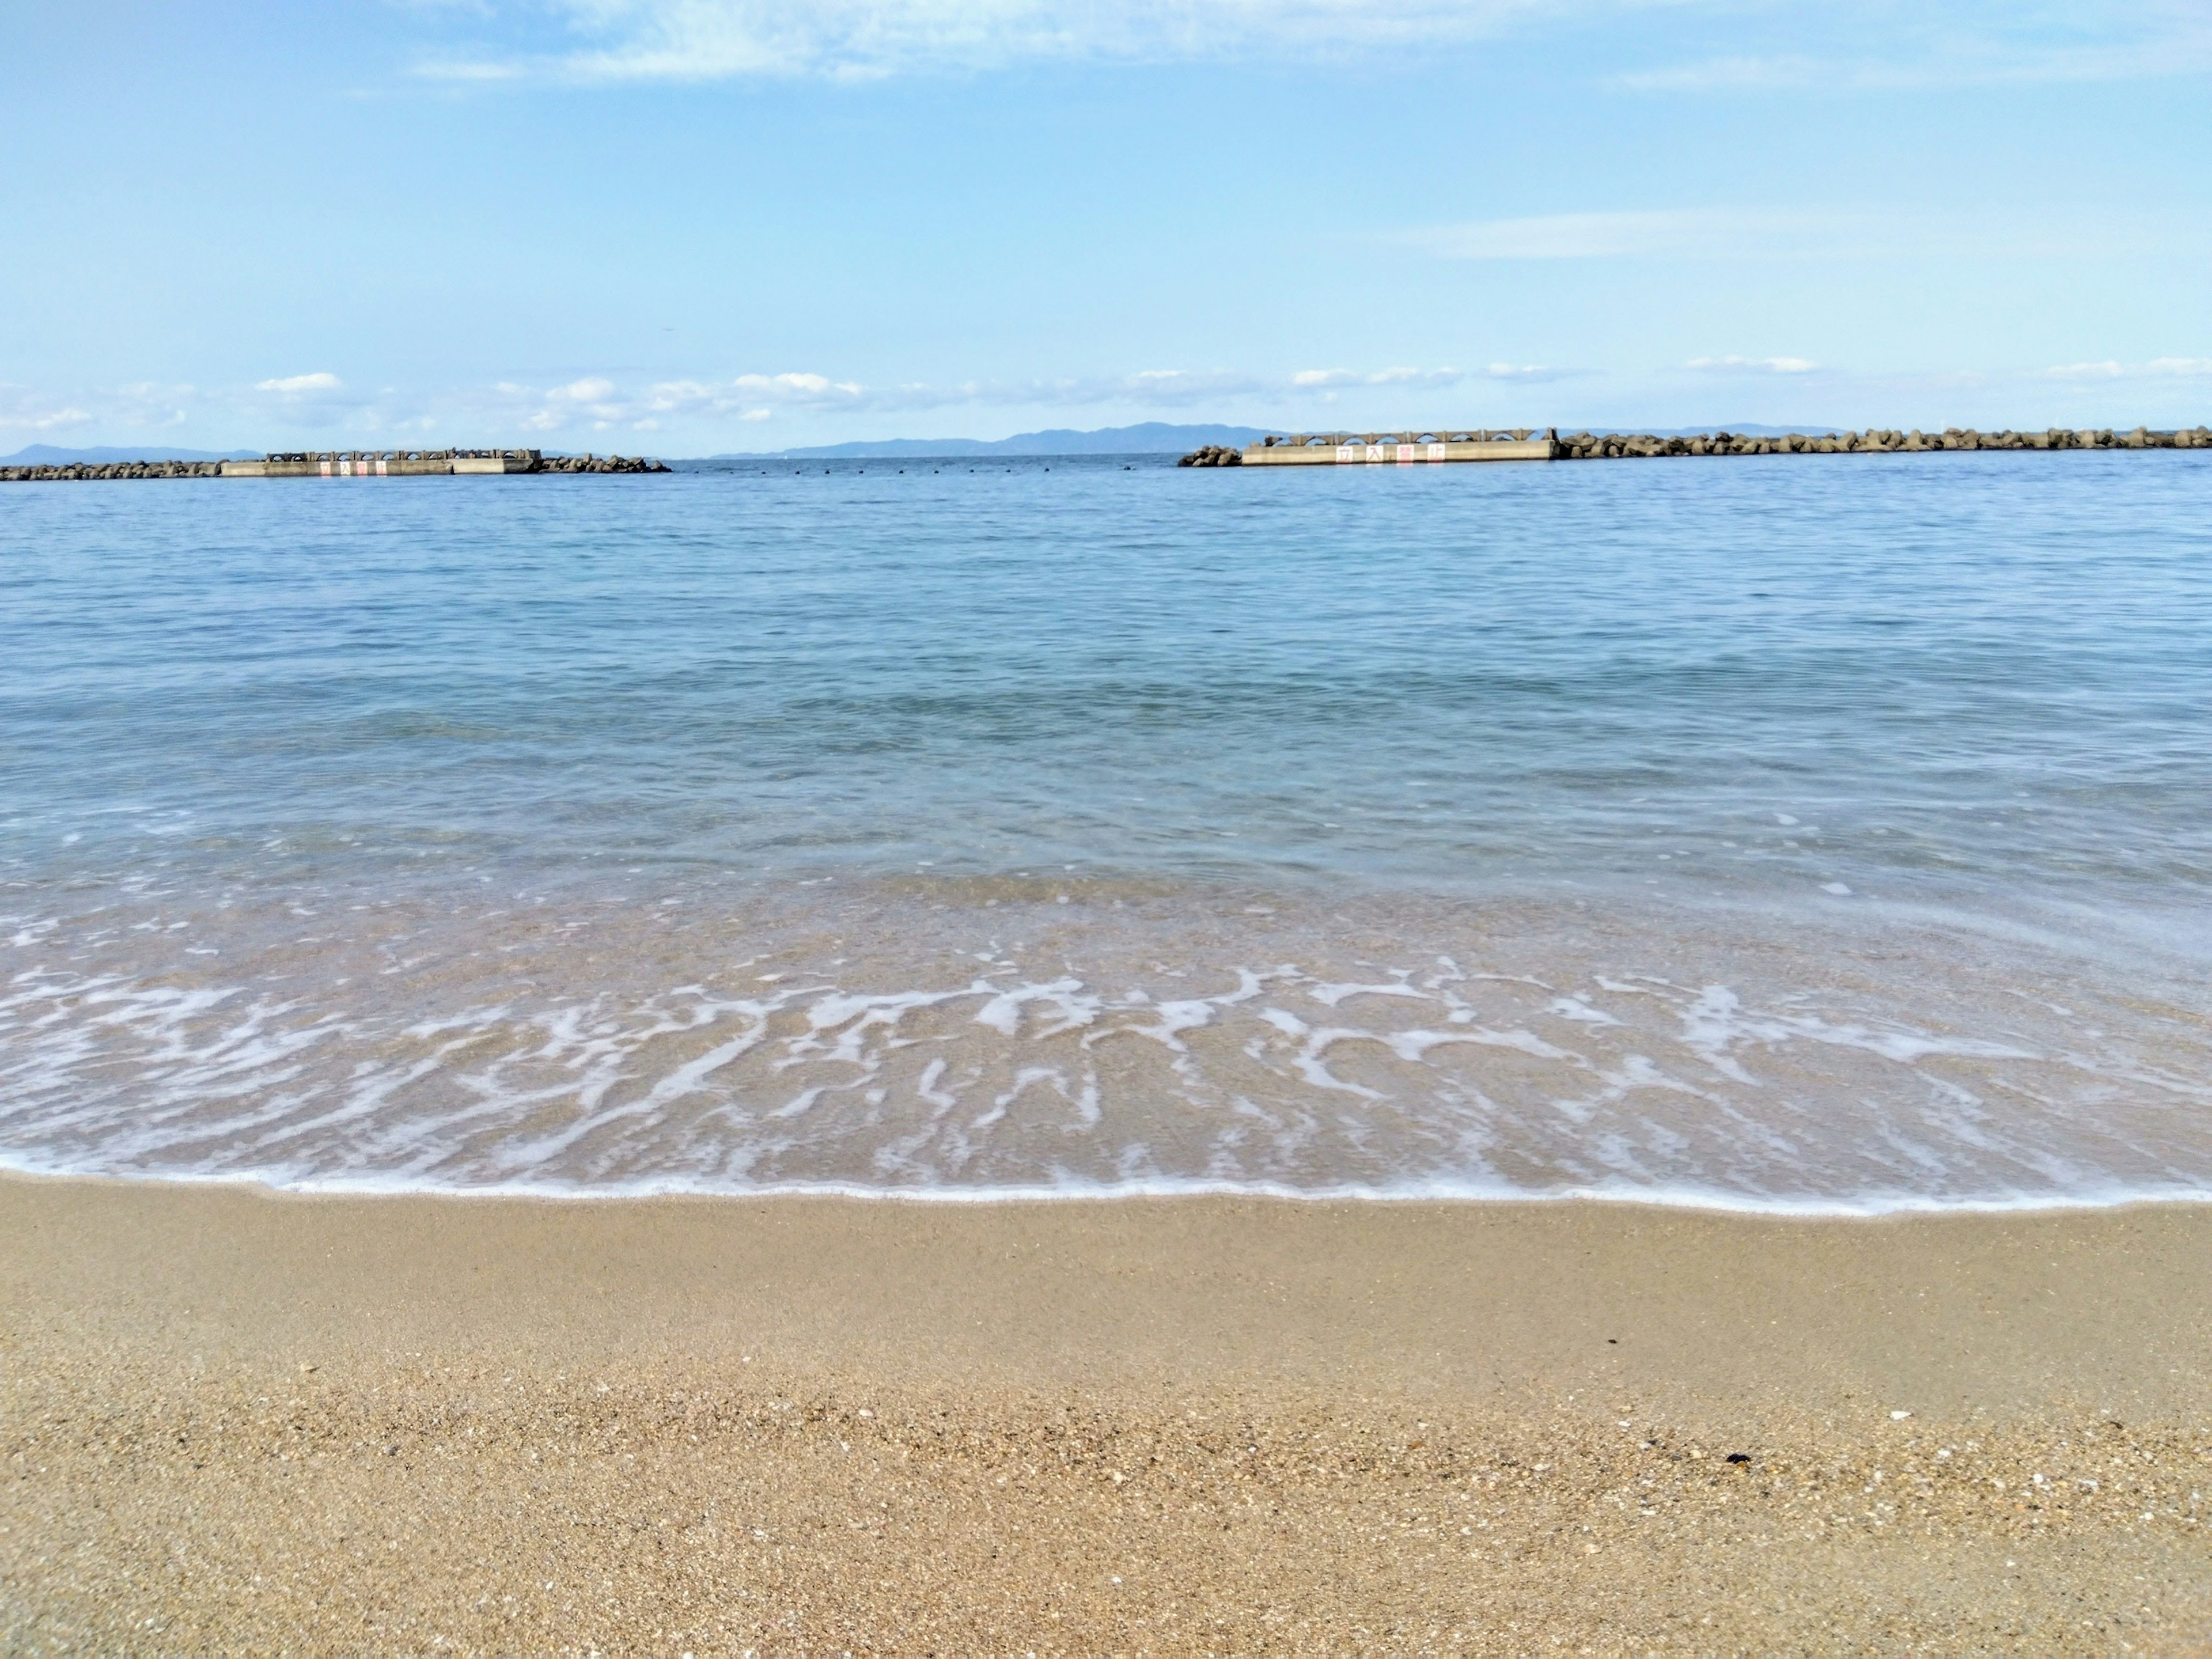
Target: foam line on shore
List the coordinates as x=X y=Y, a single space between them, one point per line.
x=1871 y=1208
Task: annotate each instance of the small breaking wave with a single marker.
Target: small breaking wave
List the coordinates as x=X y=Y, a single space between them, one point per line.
x=934 y=1051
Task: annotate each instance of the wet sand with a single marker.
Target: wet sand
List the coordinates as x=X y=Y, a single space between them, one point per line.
x=241 y=1421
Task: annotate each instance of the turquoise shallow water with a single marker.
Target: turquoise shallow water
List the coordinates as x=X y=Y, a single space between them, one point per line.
x=1911 y=747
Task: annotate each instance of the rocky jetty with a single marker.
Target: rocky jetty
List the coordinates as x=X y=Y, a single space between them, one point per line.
x=598 y=464
x=1531 y=444
x=351 y=463
x=113 y=470
x=1584 y=446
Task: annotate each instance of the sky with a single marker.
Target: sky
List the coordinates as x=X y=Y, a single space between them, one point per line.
x=693 y=226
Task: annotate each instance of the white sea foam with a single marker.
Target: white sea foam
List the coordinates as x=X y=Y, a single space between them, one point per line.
x=515 y=1051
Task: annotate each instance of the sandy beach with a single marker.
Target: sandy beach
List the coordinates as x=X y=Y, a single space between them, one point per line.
x=249 y=1422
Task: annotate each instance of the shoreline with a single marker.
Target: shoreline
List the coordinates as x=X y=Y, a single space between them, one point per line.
x=1167 y=1424
x=1441 y=1194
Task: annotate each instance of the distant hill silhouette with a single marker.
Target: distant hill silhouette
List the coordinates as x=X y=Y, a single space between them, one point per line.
x=1149 y=438
x=1153 y=438
x=48 y=455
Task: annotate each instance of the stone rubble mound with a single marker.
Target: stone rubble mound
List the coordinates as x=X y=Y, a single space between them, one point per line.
x=1214 y=455
x=1583 y=447
x=598 y=464
x=80 y=470
x=113 y=470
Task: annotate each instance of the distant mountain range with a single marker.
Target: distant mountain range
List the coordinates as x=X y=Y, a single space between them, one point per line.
x=1151 y=438
x=48 y=455
x=1148 y=438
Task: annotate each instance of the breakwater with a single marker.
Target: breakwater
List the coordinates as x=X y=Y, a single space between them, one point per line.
x=342 y=463
x=1528 y=444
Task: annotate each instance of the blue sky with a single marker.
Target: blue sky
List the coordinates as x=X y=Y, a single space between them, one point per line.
x=690 y=226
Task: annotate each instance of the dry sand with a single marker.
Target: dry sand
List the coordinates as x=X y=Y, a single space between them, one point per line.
x=235 y=1421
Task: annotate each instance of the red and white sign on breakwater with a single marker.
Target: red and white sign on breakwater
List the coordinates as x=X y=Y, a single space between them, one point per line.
x=1377 y=448
x=422 y=463
x=1526 y=444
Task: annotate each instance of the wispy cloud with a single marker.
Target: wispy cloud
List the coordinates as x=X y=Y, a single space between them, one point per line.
x=2158 y=368
x=1809 y=233
x=598 y=404
x=1668 y=231
x=619 y=40
x=1753 y=365
x=1768 y=43
x=1331 y=379
x=592 y=404
x=1724 y=74
x=466 y=71
x=22 y=410
x=301 y=386
x=1900 y=44
x=607 y=410
x=1318 y=379
x=139 y=405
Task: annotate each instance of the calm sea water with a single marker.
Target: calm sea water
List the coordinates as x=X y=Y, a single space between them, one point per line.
x=1822 y=833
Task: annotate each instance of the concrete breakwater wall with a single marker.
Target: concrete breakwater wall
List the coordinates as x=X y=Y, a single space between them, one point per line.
x=1527 y=444
x=344 y=464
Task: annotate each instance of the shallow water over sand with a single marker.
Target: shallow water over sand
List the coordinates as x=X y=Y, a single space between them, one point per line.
x=1831 y=834
x=966 y=1038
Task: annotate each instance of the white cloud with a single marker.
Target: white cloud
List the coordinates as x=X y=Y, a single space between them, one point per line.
x=137 y=406
x=721 y=39
x=798 y=388
x=1724 y=74
x=22 y=410
x=1327 y=379
x=442 y=68
x=1712 y=233
x=299 y=386
x=1753 y=365
x=598 y=403
x=2112 y=369
x=1307 y=379
x=1761 y=43
x=319 y=406
x=1889 y=44
x=1824 y=233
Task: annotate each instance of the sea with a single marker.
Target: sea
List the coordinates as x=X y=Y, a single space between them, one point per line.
x=1809 y=835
